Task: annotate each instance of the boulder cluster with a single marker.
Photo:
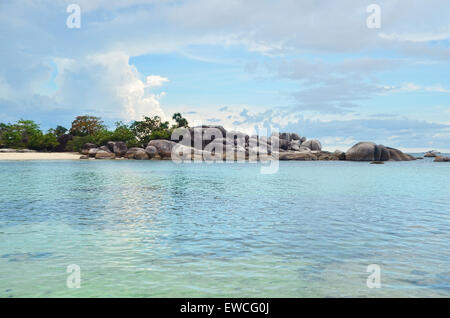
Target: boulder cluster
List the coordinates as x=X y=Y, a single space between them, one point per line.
x=216 y=143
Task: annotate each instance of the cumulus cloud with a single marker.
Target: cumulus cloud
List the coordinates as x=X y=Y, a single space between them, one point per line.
x=108 y=84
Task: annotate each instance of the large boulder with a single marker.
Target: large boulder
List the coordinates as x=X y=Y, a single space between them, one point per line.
x=164 y=147
x=369 y=151
x=120 y=148
x=110 y=145
x=397 y=155
x=312 y=144
x=103 y=154
x=92 y=152
x=86 y=147
x=284 y=144
x=151 y=151
x=141 y=154
x=364 y=151
x=132 y=151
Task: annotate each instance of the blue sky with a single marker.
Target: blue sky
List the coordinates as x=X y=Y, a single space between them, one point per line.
x=312 y=67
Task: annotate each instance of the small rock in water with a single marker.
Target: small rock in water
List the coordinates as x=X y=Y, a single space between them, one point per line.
x=441 y=159
x=377 y=163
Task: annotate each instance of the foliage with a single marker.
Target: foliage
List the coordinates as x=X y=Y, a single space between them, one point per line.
x=180 y=120
x=40 y=141
x=125 y=133
x=86 y=125
x=58 y=131
x=77 y=142
x=26 y=134
x=150 y=128
x=88 y=129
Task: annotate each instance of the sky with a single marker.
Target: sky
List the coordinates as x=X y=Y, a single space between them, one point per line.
x=310 y=67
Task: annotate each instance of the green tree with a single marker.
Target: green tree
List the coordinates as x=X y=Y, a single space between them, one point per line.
x=180 y=120
x=124 y=133
x=86 y=125
x=150 y=128
x=59 y=131
x=26 y=134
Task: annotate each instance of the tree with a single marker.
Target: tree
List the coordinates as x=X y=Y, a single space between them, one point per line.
x=86 y=125
x=26 y=134
x=125 y=134
x=60 y=130
x=180 y=120
x=150 y=128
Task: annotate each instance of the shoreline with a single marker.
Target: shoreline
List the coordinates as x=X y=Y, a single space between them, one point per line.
x=25 y=156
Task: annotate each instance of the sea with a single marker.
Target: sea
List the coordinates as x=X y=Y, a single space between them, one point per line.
x=127 y=228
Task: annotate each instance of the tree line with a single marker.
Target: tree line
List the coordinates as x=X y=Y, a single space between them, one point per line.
x=86 y=129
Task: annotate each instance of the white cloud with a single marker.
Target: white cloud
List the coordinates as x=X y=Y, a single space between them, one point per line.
x=411 y=87
x=107 y=83
x=156 y=80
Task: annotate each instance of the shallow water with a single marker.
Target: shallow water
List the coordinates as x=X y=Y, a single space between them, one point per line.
x=158 y=229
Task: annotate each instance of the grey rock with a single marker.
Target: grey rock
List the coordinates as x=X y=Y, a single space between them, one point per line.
x=132 y=151
x=302 y=156
x=431 y=154
x=369 y=151
x=110 y=145
x=284 y=144
x=92 y=152
x=120 y=148
x=397 y=155
x=86 y=147
x=340 y=154
x=312 y=144
x=441 y=159
x=164 y=147
x=141 y=154
x=103 y=154
x=151 y=151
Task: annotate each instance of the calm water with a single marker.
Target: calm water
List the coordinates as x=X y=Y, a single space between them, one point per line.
x=158 y=229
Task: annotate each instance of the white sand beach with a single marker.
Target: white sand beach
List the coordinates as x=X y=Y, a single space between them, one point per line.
x=40 y=156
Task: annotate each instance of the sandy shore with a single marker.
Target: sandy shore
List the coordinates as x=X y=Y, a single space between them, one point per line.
x=40 y=156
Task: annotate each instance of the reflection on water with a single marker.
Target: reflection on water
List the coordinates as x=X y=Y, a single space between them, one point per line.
x=158 y=229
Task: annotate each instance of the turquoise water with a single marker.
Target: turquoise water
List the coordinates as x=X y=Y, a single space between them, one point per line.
x=158 y=229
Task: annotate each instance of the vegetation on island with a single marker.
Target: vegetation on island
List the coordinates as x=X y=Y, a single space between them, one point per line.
x=86 y=129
